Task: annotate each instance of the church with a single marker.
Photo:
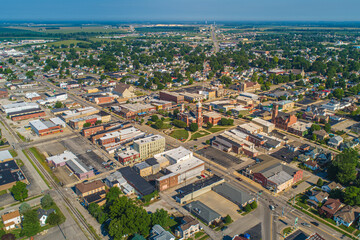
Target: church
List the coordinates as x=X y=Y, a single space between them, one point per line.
x=190 y=117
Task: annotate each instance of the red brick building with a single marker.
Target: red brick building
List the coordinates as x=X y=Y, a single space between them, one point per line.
x=3 y=93
x=87 y=132
x=212 y=118
x=171 y=96
x=282 y=120
x=27 y=116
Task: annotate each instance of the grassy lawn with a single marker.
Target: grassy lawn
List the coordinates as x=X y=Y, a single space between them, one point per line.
x=21 y=137
x=199 y=234
x=3 y=192
x=204 y=237
x=13 y=153
x=180 y=134
x=19 y=162
x=42 y=160
x=217 y=129
x=199 y=134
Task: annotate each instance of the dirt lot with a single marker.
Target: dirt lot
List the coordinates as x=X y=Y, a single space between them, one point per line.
x=220 y=204
x=219 y=157
x=63 y=173
x=161 y=204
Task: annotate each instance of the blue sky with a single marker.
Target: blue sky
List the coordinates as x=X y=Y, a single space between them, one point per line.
x=177 y=10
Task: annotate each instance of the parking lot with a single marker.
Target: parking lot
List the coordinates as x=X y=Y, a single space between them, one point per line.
x=343 y=125
x=219 y=157
x=220 y=204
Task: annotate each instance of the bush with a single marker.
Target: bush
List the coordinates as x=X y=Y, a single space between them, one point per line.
x=320 y=182
x=253 y=205
x=226 y=122
x=154 y=118
x=247 y=208
x=86 y=125
x=227 y=219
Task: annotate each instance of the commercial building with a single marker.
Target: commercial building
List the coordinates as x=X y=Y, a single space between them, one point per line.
x=300 y=128
x=203 y=212
x=22 y=110
x=91 y=192
x=196 y=189
x=267 y=126
x=78 y=123
x=73 y=163
x=274 y=175
x=149 y=146
x=249 y=86
x=98 y=131
x=141 y=186
x=131 y=110
x=233 y=194
x=183 y=165
x=143 y=169
x=128 y=157
x=286 y=105
x=4 y=93
x=51 y=126
x=171 y=96
x=116 y=179
x=33 y=96
x=79 y=113
x=282 y=120
x=10 y=173
x=54 y=98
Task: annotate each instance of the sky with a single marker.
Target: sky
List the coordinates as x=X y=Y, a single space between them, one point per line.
x=180 y=10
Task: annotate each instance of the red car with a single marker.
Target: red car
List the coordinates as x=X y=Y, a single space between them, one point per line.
x=203 y=176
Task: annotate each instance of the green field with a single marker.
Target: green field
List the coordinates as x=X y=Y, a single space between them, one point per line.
x=64 y=42
x=180 y=134
x=93 y=29
x=199 y=134
x=216 y=129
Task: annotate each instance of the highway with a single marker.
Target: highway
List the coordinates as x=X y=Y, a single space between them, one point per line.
x=213 y=37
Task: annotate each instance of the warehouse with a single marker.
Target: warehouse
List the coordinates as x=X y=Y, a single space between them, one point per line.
x=73 y=163
x=141 y=186
x=233 y=194
x=42 y=128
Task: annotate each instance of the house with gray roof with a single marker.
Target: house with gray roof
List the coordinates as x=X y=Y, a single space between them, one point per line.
x=158 y=233
x=203 y=212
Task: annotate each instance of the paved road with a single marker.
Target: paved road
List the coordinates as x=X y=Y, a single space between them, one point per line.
x=213 y=36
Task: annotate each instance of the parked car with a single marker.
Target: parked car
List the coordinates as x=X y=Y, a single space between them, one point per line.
x=272 y=207
x=305 y=224
x=315 y=223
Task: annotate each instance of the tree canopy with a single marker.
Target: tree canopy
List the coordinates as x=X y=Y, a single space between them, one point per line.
x=19 y=191
x=343 y=168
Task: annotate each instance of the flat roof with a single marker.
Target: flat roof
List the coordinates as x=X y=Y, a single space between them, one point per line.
x=5 y=155
x=152 y=138
x=136 y=181
x=263 y=122
x=232 y=193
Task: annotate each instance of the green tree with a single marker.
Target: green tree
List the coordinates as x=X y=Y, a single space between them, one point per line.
x=313 y=137
x=327 y=127
x=30 y=74
x=58 y=105
x=86 y=125
x=46 y=201
x=315 y=127
x=209 y=125
x=113 y=194
x=30 y=224
x=247 y=208
x=154 y=118
x=159 y=124
x=352 y=196
x=343 y=168
x=338 y=93
x=24 y=207
x=53 y=219
x=19 y=191
x=160 y=217
x=193 y=127
x=179 y=124
x=320 y=182
x=227 y=219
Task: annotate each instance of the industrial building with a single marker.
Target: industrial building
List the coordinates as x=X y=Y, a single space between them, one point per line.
x=183 y=165
x=149 y=146
x=233 y=194
x=141 y=186
x=78 y=123
x=73 y=163
x=78 y=113
x=267 y=126
x=51 y=126
x=22 y=110
x=10 y=173
x=53 y=99
x=171 y=96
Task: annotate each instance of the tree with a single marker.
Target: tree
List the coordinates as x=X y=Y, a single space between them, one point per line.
x=320 y=182
x=338 y=93
x=86 y=125
x=227 y=219
x=352 y=196
x=313 y=137
x=58 y=105
x=30 y=74
x=247 y=208
x=175 y=112
x=179 y=124
x=24 y=207
x=343 y=168
x=193 y=127
x=160 y=217
x=53 y=219
x=19 y=191
x=98 y=122
x=30 y=224
x=113 y=194
x=327 y=127
x=336 y=194
x=226 y=122
x=154 y=118
x=159 y=124
x=209 y=125
x=46 y=201
x=315 y=127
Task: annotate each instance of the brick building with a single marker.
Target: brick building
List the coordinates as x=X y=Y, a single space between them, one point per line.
x=171 y=96
x=282 y=120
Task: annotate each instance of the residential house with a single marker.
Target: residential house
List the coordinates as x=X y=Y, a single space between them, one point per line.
x=347 y=215
x=43 y=215
x=330 y=207
x=158 y=233
x=333 y=185
x=321 y=134
x=10 y=220
x=311 y=164
x=319 y=197
x=189 y=226
x=335 y=141
x=92 y=192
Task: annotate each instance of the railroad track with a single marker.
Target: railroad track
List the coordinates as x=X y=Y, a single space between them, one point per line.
x=58 y=189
